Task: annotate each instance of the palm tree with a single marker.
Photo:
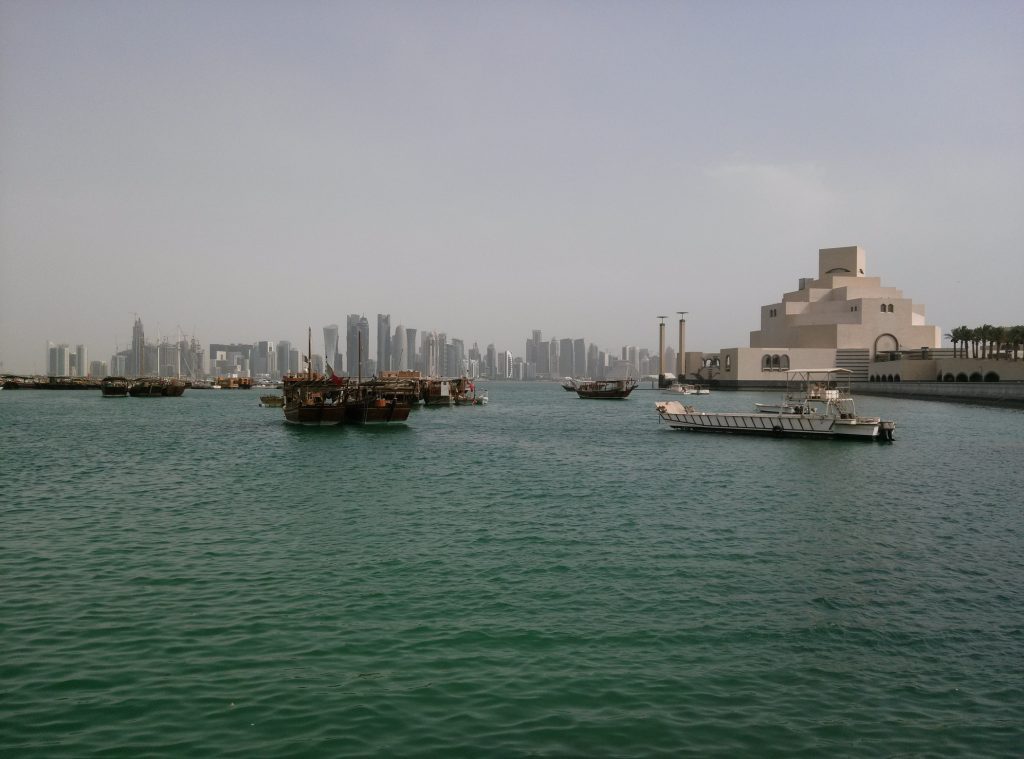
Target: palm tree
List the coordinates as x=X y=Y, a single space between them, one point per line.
x=998 y=336
x=963 y=336
x=975 y=339
x=1016 y=338
x=986 y=340
x=951 y=336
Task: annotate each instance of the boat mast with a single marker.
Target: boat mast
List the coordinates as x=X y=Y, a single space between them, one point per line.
x=359 y=355
x=309 y=354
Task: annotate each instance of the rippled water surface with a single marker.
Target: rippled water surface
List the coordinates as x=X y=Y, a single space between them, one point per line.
x=542 y=576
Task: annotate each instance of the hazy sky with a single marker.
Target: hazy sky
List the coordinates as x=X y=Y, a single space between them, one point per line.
x=245 y=169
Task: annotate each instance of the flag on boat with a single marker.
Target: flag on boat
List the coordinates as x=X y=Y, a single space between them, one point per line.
x=332 y=376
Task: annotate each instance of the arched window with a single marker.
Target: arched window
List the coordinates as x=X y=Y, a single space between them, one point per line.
x=784 y=362
x=890 y=308
x=896 y=378
x=728 y=363
x=883 y=308
x=961 y=377
x=775 y=362
x=766 y=363
x=949 y=377
x=975 y=376
x=991 y=377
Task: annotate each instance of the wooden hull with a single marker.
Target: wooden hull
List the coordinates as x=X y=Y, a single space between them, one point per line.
x=114 y=387
x=372 y=413
x=315 y=416
x=605 y=389
x=173 y=389
x=146 y=389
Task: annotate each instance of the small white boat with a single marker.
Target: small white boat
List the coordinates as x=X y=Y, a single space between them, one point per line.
x=824 y=408
x=689 y=390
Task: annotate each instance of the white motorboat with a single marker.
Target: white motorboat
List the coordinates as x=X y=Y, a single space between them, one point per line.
x=689 y=390
x=823 y=407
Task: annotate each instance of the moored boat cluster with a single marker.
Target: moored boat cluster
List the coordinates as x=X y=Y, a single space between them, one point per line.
x=319 y=400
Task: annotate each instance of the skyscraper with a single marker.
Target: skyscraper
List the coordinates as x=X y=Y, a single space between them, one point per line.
x=383 y=342
x=82 y=361
x=566 y=362
x=357 y=343
x=410 y=349
x=398 y=347
x=284 y=357
x=579 y=358
x=505 y=371
x=491 y=361
x=331 y=347
x=138 y=349
x=58 y=360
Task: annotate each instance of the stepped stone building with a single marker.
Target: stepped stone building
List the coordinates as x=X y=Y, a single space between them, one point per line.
x=842 y=318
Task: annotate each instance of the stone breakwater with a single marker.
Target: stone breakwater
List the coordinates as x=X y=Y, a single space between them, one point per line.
x=994 y=393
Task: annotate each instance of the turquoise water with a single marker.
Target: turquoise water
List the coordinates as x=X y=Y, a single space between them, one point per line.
x=541 y=576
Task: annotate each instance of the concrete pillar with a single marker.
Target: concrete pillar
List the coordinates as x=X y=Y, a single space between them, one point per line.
x=681 y=356
x=661 y=352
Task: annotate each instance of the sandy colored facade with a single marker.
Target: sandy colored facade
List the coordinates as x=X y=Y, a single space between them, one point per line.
x=842 y=317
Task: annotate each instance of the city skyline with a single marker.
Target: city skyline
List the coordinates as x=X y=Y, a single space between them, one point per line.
x=488 y=168
x=439 y=355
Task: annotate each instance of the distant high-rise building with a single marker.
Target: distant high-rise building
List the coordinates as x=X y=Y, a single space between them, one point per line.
x=506 y=367
x=97 y=369
x=82 y=361
x=284 y=359
x=331 y=347
x=670 y=360
x=357 y=343
x=430 y=361
x=455 y=359
x=138 y=348
x=383 y=342
x=491 y=361
x=543 y=359
x=119 y=364
x=398 y=348
x=532 y=344
x=566 y=362
x=58 y=360
x=264 y=361
x=553 y=366
x=592 y=357
x=579 y=358
x=410 y=350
